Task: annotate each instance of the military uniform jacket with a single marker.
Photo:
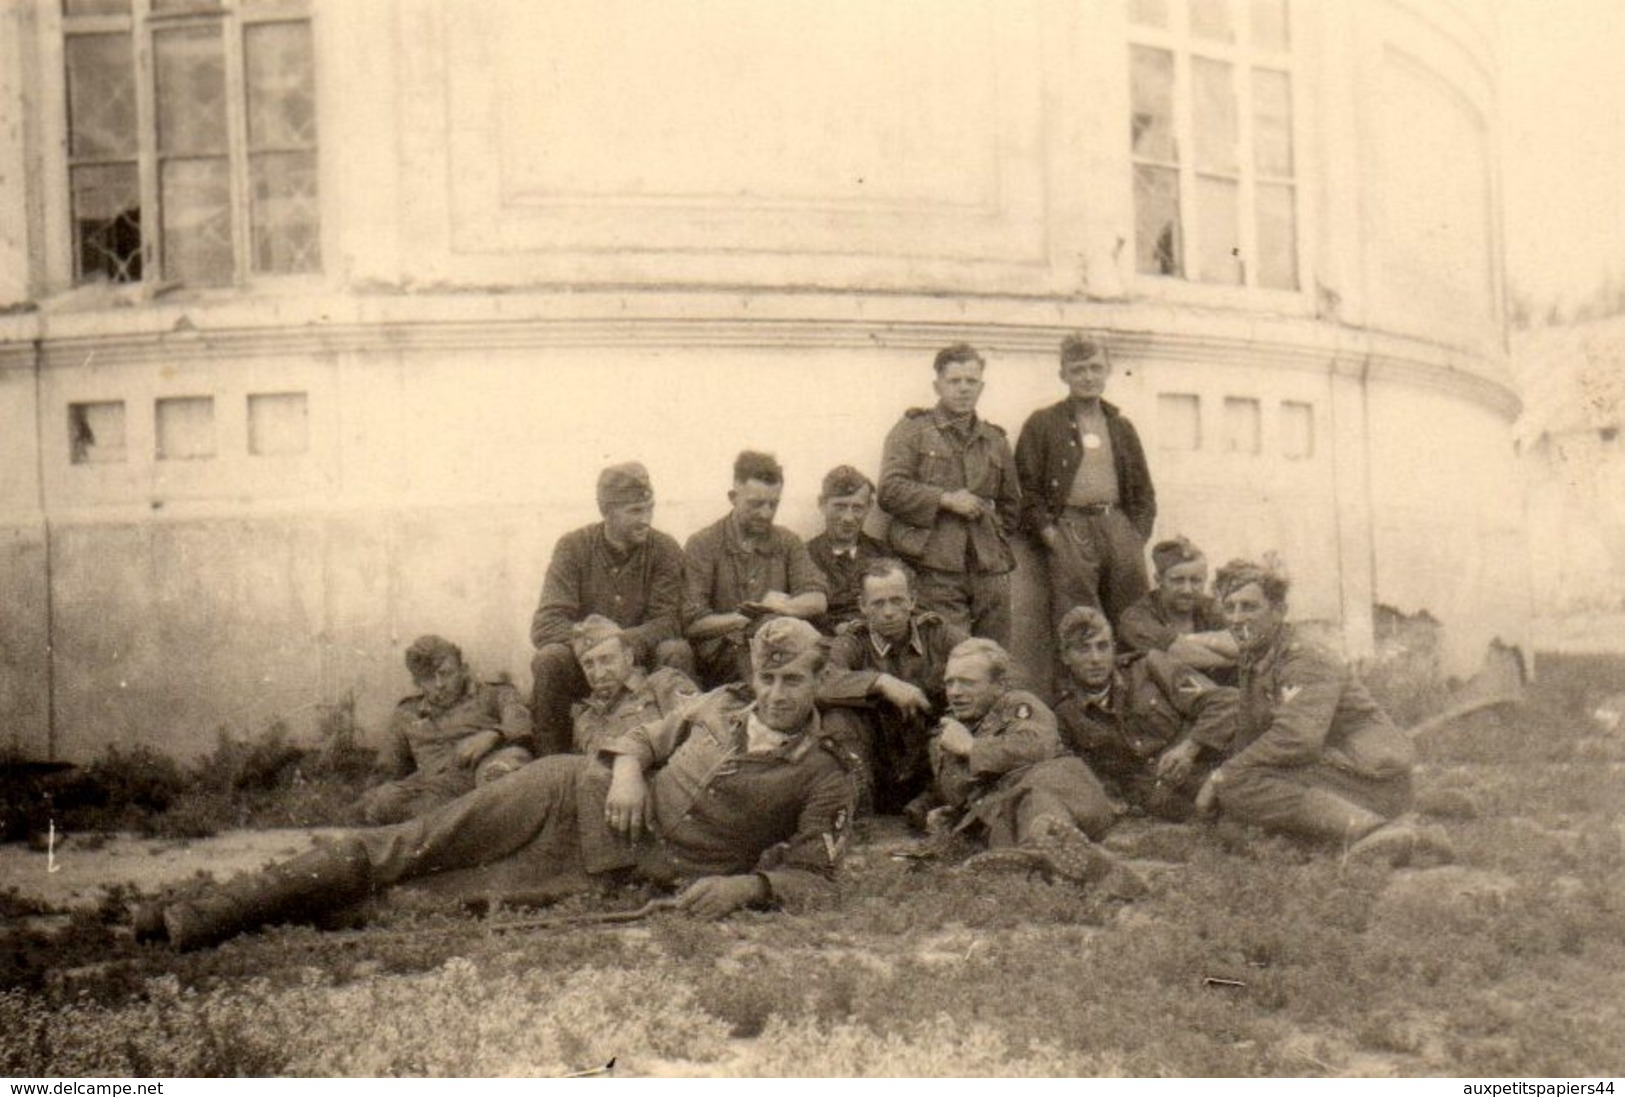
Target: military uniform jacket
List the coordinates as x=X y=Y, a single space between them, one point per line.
x=920 y=658
x=1016 y=733
x=924 y=458
x=843 y=575
x=1049 y=452
x=722 y=570
x=1154 y=702
x=1300 y=706
x=782 y=813
x=1148 y=626
x=641 y=591
x=644 y=699
x=424 y=740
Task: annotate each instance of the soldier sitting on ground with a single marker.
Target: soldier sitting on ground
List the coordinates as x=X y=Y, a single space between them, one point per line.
x=1313 y=755
x=843 y=550
x=1150 y=728
x=455 y=733
x=740 y=796
x=1179 y=616
x=621 y=696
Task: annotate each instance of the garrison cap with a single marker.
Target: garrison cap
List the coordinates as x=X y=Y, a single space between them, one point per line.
x=1078 y=347
x=589 y=632
x=1173 y=552
x=1082 y=624
x=782 y=640
x=625 y=483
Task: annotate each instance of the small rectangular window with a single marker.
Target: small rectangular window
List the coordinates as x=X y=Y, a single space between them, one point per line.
x=1297 y=430
x=278 y=424
x=96 y=433
x=1243 y=426
x=1179 y=421
x=185 y=428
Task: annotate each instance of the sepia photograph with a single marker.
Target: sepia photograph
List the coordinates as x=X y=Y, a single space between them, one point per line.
x=812 y=538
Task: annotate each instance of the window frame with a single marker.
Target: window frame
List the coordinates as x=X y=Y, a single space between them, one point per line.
x=234 y=18
x=1243 y=57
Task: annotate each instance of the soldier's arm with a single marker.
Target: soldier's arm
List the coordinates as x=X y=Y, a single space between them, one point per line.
x=512 y=715
x=397 y=760
x=903 y=494
x=1029 y=736
x=1311 y=685
x=1139 y=630
x=1144 y=514
x=664 y=612
x=702 y=619
x=1007 y=507
x=560 y=604
x=1207 y=711
x=1031 y=471
x=1205 y=650
x=804 y=876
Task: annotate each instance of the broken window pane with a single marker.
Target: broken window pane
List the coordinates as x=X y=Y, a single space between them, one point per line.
x=1151 y=109
x=1218 y=231
x=1270 y=24
x=1277 y=237
x=1213 y=94
x=1297 y=430
x=281 y=86
x=1156 y=220
x=285 y=219
x=196 y=202
x=1210 y=19
x=191 y=90
x=278 y=423
x=101 y=96
x=106 y=222
x=1148 y=13
x=1242 y=433
x=1179 y=421
x=1272 y=122
x=185 y=428
x=96 y=433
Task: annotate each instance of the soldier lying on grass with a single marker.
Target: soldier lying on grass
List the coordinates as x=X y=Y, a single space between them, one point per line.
x=740 y=801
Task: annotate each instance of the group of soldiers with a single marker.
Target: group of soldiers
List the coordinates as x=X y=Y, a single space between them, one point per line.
x=713 y=717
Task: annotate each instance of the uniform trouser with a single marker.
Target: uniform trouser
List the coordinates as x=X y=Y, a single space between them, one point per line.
x=557 y=683
x=1060 y=788
x=979 y=604
x=418 y=794
x=892 y=749
x=1098 y=560
x=1317 y=802
x=722 y=659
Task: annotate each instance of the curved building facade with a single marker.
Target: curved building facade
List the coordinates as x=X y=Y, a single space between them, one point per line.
x=317 y=319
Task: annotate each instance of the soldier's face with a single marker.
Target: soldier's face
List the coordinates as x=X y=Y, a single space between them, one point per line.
x=844 y=515
x=887 y=604
x=607 y=667
x=1090 y=662
x=971 y=687
x=1252 y=618
x=1182 y=585
x=755 y=504
x=628 y=523
x=959 y=386
x=1086 y=377
x=444 y=684
x=784 y=694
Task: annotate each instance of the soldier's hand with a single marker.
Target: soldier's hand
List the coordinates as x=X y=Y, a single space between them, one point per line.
x=627 y=807
x=963 y=503
x=906 y=697
x=955 y=738
x=775 y=601
x=1175 y=763
x=718 y=896
x=477 y=746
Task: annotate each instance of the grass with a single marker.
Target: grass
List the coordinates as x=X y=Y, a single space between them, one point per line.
x=1511 y=965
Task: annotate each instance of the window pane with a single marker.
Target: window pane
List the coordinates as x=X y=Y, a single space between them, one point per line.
x=281 y=86
x=1148 y=13
x=1210 y=19
x=1218 y=239
x=95 y=7
x=1277 y=237
x=101 y=96
x=196 y=204
x=191 y=90
x=1156 y=220
x=1151 y=110
x=1179 y=420
x=107 y=222
x=185 y=428
x=286 y=223
x=1269 y=24
x=1214 y=95
x=1272 y=122
x=96 y=433
x=1242 y=423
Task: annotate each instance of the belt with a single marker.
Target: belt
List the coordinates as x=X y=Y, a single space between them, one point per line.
x=1091 y=509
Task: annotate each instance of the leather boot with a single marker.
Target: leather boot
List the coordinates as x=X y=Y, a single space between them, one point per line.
x=309 y=885
x=1326 y=817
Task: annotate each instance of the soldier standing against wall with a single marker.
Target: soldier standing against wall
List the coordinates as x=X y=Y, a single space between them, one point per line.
x=948 y=481
x=1086 y=490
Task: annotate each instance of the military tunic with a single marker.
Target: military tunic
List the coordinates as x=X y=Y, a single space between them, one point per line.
x=1017 y=773
x=1151 y=703
x=844 y=576
x=643 y=699
x=1148 y=626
